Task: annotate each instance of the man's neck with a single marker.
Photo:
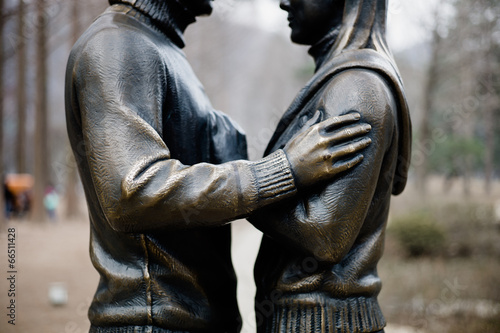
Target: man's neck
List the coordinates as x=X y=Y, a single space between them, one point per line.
x=169 y=16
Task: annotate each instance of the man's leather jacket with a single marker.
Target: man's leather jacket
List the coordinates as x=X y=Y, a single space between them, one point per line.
x=153 y=157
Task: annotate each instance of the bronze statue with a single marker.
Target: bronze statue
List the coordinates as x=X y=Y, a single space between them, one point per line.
x=155 y=162
x=317 y=266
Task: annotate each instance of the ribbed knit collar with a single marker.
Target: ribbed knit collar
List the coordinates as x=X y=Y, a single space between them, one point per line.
x=321 y=49
x=169 y=16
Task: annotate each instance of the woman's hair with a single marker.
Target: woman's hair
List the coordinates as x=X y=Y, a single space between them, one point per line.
x=363 y=26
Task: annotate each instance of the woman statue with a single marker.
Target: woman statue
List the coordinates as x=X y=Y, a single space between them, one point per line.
x=317 y=266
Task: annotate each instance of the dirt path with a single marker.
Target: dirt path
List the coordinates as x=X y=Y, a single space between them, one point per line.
x=46 y=254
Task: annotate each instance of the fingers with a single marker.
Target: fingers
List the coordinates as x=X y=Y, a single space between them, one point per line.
x=350 y=132
x=353 y=147
x=344 y=165
x=333 y=123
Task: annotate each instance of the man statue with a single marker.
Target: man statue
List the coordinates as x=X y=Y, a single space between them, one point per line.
x=317 y=266
x=155 y=162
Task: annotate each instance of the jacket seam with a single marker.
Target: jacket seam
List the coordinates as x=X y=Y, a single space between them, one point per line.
x=147 y=280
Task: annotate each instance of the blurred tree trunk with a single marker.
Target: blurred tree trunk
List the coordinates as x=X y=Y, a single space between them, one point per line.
x=21 y=91
x=425 y=136
x=72 y=172
x=466 y=78
x=41 y=146
x=467 y=127
x=490 y=105
x=489 y=124
x=2 y=50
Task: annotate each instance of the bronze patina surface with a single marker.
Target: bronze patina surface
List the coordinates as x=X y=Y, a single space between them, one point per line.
x=164 y=173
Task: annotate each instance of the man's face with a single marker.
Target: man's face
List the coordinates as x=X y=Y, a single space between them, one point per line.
x=310 y=20
x=198 y=7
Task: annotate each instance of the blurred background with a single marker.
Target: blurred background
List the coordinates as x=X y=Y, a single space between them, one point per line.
x=441 y=265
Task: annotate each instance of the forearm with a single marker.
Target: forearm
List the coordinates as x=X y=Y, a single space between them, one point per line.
x=163 y=193
x=141 y=188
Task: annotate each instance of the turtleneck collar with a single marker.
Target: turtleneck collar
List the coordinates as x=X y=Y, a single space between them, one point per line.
x=321 y=49
x=168 y=16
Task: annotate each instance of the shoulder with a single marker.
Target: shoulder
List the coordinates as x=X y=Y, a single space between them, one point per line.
x=361 y=90
x=111 y=43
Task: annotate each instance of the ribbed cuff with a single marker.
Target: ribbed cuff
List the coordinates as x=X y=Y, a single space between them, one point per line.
x=353 y=315
x=273 y=177
x=131 y=329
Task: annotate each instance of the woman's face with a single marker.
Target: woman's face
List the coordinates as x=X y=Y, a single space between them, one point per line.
x=311 y=20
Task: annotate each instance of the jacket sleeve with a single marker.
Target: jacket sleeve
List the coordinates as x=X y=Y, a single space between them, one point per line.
x=227 y=141
x=325 y=221
x=118 y=82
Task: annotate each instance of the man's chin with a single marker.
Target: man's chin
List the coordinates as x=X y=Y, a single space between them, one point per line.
x=298 y=39
x=198 y=9
x=206 y=12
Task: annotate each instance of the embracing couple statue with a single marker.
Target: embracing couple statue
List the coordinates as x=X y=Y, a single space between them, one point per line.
x=164 y=174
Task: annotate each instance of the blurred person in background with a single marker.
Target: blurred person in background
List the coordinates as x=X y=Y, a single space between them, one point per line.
x=50 y=202
x=9 y=198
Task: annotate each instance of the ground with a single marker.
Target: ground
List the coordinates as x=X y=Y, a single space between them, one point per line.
x=428 y=294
